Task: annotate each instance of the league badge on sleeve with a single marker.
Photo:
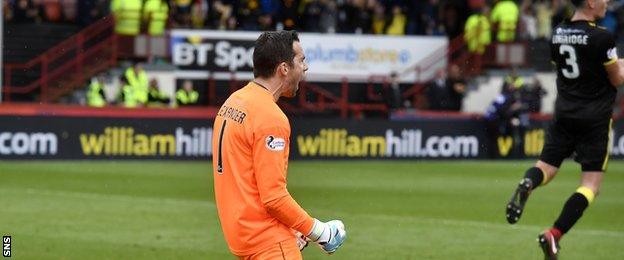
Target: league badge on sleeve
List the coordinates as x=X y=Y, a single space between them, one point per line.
x=612 y=54
x=275 y=144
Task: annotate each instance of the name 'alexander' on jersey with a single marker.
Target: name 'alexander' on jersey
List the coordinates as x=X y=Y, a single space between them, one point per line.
x=232 y=113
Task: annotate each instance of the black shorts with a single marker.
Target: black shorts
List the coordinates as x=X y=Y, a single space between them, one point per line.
x=588 y=139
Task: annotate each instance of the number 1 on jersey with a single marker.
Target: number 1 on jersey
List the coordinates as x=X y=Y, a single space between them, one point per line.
x=219 y=157
x=570 y=52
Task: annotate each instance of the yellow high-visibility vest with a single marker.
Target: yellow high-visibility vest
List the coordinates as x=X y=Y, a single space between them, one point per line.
x=127 y=15
x=477 y=33
x=130 y=99
x=156 y=13
x=506 y=14
x=94 y=97
x=187 y=98
x=139 y=82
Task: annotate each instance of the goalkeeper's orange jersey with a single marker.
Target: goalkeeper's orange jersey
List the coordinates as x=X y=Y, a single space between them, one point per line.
x=250 y=158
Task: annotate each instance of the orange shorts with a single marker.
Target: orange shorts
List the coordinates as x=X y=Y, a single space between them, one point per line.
x=285 y=250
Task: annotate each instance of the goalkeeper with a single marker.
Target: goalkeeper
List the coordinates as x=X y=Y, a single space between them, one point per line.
x=259 y=218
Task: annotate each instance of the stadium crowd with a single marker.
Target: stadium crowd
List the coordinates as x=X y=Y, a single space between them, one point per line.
x=533 y=20
x=481 y=22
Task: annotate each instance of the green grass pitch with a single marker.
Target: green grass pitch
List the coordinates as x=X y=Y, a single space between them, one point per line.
x=392 y=210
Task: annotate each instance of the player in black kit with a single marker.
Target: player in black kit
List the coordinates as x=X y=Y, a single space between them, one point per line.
x=588 y=72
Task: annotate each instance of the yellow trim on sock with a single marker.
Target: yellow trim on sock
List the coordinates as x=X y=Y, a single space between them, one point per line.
x=544 y=178
x=587 y=192
x=606 y=159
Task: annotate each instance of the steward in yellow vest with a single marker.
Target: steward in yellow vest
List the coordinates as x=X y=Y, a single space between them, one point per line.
x=187 y=96
x=477 y=33
x=155 y=14
x=95 y=94
x=128 y=94
x=505 y=15
x=127 y=15
x=137 y=78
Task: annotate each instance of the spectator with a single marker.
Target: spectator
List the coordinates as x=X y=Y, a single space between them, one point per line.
x=397 y=22
x=379 y=19
x=156 y=98
x=328 y=20
x=222 y=11
x=528 y=24
x=437 y=93
x=477 y=33
x=7 y=13
x=504 y=19
x=266 y=22
x=127 y=15
x=69 y=10
x=413 y=11
x=504 y=118
x=249 y=15
x=454 y=16
x=137 y=79
x=543 y=14
x=393 y=92
x=95 y=93
x=182 y=10
x=155 y=15
x=25 y=11
x=456 y=85
x=270 y=7
x=288 y=17
x=91 y=11
x=128 y=95
x=311 y=16
x=531 y=96
x=610 y=21
x=356 y=17
x=199 y=12
x=431 y=19
x=52 y=10
x=187 y=96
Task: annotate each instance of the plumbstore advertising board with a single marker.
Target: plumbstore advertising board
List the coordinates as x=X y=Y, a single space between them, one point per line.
x=330 y=57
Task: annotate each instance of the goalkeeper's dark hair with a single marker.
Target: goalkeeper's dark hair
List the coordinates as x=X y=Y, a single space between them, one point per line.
x=578 y=3
x=271 y=49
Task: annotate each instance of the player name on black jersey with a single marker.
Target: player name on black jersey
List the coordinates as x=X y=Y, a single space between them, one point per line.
x=580 y=50
x=570 y=39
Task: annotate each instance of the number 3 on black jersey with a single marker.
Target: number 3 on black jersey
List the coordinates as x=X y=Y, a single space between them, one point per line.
x=572 y=70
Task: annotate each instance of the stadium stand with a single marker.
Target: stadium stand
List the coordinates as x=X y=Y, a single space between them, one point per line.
x=32 y=77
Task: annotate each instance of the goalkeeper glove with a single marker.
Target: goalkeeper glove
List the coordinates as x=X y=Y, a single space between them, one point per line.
x=329 y=236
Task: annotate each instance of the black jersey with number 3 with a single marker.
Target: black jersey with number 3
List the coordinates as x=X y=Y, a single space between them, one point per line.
x=580 y=51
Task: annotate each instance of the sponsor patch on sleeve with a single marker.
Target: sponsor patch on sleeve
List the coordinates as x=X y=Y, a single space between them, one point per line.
x=275 y=143
x=612 y=54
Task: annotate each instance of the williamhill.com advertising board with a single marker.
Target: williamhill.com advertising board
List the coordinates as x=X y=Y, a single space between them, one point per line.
x=38 y=137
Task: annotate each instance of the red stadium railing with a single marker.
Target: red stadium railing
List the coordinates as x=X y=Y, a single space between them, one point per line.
x=66 y=66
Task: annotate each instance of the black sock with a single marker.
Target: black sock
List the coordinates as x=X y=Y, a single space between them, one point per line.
x=572 y=211
x=535 y=175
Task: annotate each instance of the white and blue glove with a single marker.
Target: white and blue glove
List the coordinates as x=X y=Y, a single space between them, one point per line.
x=329 y=236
